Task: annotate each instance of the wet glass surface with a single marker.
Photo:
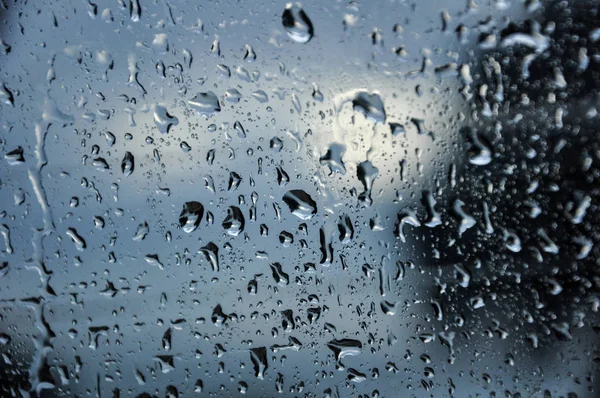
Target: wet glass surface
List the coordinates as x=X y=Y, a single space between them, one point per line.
x=325 y=199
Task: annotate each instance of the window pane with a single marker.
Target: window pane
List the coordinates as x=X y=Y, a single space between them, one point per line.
x=325 y=199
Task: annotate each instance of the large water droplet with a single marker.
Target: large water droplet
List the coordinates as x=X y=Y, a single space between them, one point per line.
x=333 y=158
x=297 y=24
x=280 y=277
x=369 y=105
x=163 y=119
x=234 y=222
x=76 y=238
x=211 y=253
x=366 y=173
x=141 y=232
x=15 y=156
x=300 y=204
x=127 y=164
x=206 y=104
x=480 y=153
x=344 y=347
x=258 y=356
x=190 y=216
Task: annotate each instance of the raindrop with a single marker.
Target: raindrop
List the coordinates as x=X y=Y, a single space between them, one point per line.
x=258 y=356
x=345 y=347
x=280 y=277
x=163 y=120
x=185 y=147
x=370 y=105
x=211 y=253
x=141 y=232
x=15 y=157
x=233 y=96
x=300 y=204
x=297 y=24
x=190 y=216
x=260 y=96
x=206 y=104
x=76 y=238
x=127 y=164
x=234 y=222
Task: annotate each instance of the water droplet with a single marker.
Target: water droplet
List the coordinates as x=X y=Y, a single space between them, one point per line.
x=163 y=119
x=142 y=230
x=405 y=217
x=333 y=158
x=218 y=317
x=276 y=144
x=100 y=164
x=282 y=177
x=6 y=95
x=466 y=221
x=346 y=229
x=258 y=356
x=297 y=24
x=234 y=222
x=250 y=55
x=242 y=387
x=300 y=204
x=317 y=94
x=153 y=259
x=366 y=173
x=481 y=152
x=127 y=164
x=355 y=376
x=98 y=222
x=345 y=347
x=190 y=216
x=370 y=105
x=232 y=95
x=211 y=253
x=185 y=147
x=397 y=129
x=206 y=104
x=15 y=157
x=241 y=132
x=260 y=96
x=76 y=238
x=280 y=277
x=512 y=241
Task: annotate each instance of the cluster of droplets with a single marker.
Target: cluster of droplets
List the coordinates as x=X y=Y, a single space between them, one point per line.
x=467 y=225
